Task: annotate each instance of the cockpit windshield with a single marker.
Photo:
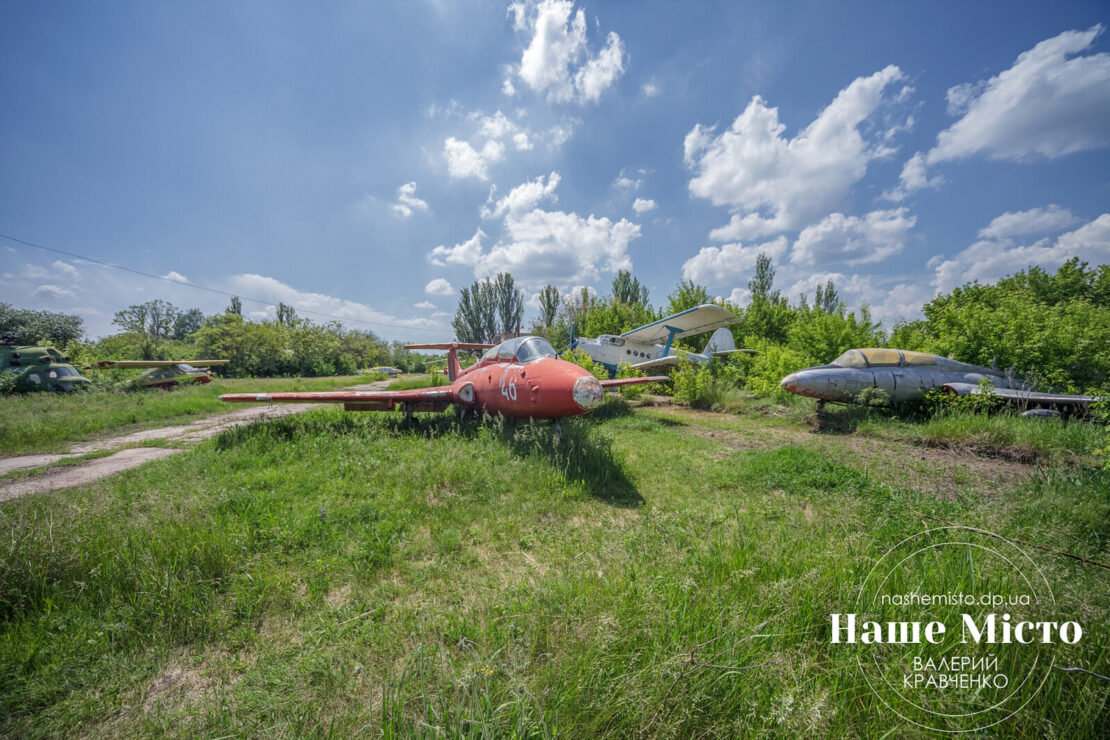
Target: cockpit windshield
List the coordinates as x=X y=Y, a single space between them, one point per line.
x=521 y=350
x=851 y=358
x=186 y=367
x=534 y=348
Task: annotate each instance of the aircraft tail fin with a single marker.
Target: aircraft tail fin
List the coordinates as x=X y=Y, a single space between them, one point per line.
x=453 y=367
x=721 y=341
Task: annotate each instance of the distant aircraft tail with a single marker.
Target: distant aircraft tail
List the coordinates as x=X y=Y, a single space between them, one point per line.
x=721 y=341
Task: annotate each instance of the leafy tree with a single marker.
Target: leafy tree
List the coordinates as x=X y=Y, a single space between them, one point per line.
x=286 y=315
x=155 y=319
x=236 y=306
x=821 y=336
x=826 y=298
x=476 y=316
x=24 y=326
x=549 y=305
x=509 y=301
x=769 y=315
x=627 y=290
x=1052 y=328
x=186 y=323
x=688 y=294
x=577 y=306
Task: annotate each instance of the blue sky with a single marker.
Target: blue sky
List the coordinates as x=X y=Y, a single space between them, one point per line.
x=366 y=160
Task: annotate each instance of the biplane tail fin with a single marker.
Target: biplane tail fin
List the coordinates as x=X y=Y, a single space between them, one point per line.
x=453 y=367
x=721 y=341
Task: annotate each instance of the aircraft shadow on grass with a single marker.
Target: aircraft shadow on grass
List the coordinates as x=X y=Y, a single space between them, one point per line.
x=582 y=455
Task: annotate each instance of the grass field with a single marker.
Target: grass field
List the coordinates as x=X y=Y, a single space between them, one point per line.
x=49 y=422
x=332 y=574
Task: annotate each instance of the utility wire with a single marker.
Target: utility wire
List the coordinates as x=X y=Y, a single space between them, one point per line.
x=201 y=287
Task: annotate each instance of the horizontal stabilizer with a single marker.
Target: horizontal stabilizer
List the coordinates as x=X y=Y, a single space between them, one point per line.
x=450 y=345
x=727 y=352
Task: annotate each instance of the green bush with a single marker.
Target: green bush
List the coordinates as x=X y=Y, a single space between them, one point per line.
x=771 y=363
x=706 y=386
x=631 y=392
x=580 y=358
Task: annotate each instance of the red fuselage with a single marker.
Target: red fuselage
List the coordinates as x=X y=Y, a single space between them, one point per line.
x=547 y=388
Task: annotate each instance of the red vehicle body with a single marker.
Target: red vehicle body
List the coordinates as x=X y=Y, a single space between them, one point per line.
x=519 y=378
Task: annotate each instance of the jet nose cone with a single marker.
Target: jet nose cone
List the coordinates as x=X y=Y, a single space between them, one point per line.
x=790 y=382
x=587 y=392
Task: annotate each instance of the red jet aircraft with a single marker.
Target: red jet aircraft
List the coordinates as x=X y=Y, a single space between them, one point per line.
x=521 y=378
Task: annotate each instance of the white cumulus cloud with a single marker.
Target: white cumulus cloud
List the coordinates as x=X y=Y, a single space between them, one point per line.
x=177 y=277
x=439 y=286
x=523 y=197
x=557 y=61
x=52 y=291
x=1033 y=221
x=730 y=263
x=1049 y=103
x=407 y=202
x=643 y=205
x=989 y=259
x=426 y=305
x=489 y=139
x=772 y=183
x=65 y=268
x=853 y=240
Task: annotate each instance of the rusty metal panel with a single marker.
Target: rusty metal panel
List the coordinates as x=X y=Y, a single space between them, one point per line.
x=368 y=406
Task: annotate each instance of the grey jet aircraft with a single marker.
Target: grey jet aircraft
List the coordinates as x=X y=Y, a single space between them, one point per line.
x=905 y=375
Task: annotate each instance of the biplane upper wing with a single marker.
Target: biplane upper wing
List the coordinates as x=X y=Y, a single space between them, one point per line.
x=1030 y=398
x=415 y=399
x=698 y=320
x=615 y=382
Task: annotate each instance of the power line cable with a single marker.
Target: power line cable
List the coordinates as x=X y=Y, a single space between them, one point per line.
x=204 y=287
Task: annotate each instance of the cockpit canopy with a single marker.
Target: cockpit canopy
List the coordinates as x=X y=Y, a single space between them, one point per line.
x=882 y=357
x=520 y=350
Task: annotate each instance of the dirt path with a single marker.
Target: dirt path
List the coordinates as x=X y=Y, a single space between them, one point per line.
x=940 y=472
x=132 y=457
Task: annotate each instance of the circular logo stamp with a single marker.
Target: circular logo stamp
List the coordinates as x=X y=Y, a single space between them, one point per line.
x=955 y=630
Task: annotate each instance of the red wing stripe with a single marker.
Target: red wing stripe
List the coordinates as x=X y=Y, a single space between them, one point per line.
x=633 y=381
x=416 y=394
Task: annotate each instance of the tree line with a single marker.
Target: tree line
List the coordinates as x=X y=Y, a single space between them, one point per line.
x=1052 y=328
x=1049 y=327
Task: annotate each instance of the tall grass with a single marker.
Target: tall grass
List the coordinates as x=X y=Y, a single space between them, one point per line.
x=992 y=435
x=333 y=574
x=46 y=422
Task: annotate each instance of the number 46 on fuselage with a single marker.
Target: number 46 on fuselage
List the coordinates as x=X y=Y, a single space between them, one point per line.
x=519 y=378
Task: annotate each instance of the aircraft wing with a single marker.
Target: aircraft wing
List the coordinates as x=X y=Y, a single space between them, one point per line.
x=1020 y=396
x=615 y=382
x=159 y=363
x=697 y=320
x=415 y=399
